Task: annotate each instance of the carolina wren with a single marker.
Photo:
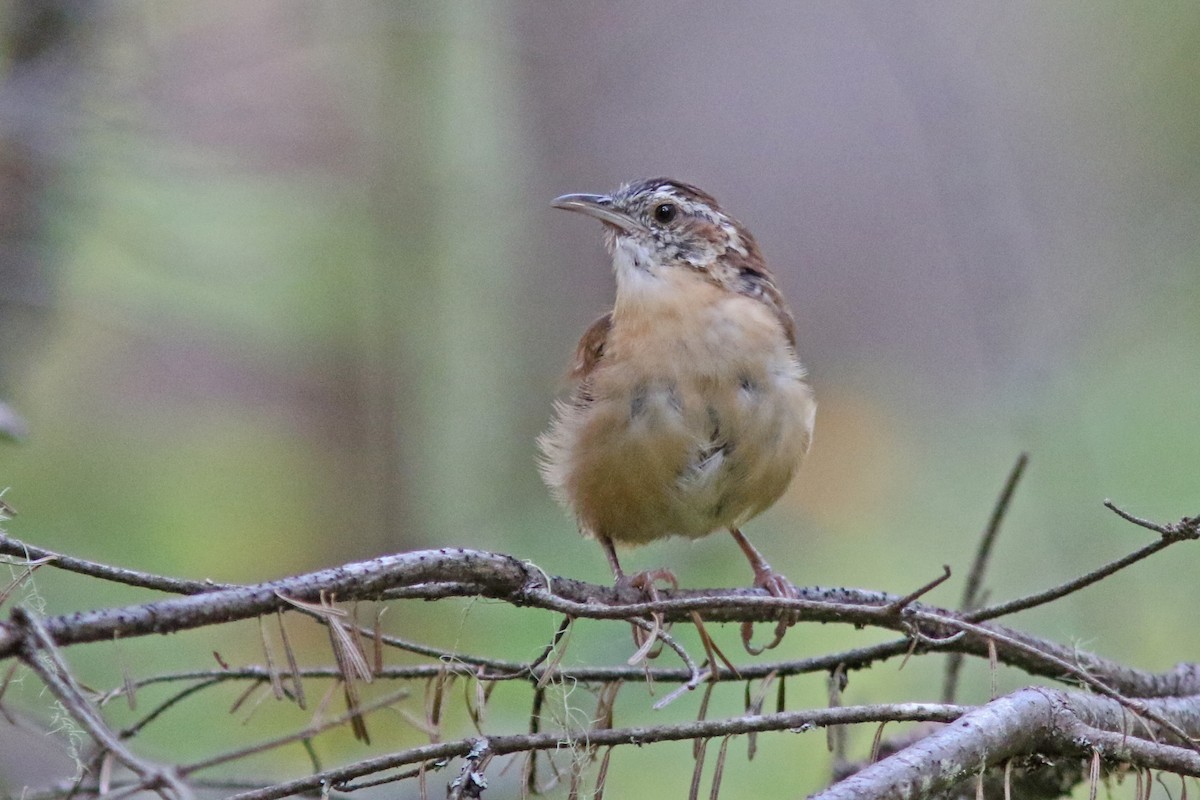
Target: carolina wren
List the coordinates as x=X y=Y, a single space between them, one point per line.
x=689 y=412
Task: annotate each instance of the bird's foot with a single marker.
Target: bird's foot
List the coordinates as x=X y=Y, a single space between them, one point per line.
x=645 y=582
x=776 y=585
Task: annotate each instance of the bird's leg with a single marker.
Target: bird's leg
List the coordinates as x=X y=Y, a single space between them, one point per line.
x=644 y=580
x=643 y=640
x=775 y=584
x=764 y=577
x=610 y=552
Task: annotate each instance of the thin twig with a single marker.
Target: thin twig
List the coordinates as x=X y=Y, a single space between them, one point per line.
x=41 y=656
x=30 y=567
x=419 y=771
x=971 y=592
x=1186 y=529
x=988 y=539
x=1165 y=530
x=695 y=677
x=144 y=580
x=523 y=743
x=910 y=598
x=133 y=730
x=307 y=733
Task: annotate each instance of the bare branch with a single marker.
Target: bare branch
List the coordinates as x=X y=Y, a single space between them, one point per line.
x=898 y=605
x=972 y=590
x=1078 y=673
x=974 y=584
x=519 y=583
x=308 y=732
x=145 y=580
x=1148 y=720
x=1186 y=529
x=1164 y=530
x=40 y=655
x=703 y=729
x=1028 y=721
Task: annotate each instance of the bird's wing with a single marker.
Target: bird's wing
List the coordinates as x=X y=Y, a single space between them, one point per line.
x=591 y=348
x=754 y=280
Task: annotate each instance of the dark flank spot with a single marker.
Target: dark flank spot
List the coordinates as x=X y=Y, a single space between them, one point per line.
x=709 y=452
x=637 y=403
x=717 y=445
x=714 y=425
x=748 y=384
x=674 y=398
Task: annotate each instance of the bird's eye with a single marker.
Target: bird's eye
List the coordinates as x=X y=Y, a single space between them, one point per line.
x=664 y=213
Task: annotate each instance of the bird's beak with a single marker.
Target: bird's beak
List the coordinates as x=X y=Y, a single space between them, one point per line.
x=599 y=206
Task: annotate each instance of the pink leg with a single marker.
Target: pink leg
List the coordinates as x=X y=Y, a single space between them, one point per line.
x=764 y=577
x=610 y=552
x=639 y=580
x=776 y=586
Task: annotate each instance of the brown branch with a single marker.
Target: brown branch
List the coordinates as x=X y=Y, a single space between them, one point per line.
x=901 y=603
x=504 y=575
x=136 y=728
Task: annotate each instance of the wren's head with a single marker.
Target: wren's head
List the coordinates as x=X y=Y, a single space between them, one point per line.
x=656 y=228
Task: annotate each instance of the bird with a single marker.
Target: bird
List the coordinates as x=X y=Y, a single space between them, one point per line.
x=688 y=410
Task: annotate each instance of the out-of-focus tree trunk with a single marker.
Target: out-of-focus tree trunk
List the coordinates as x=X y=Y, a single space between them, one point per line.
x=42 y=45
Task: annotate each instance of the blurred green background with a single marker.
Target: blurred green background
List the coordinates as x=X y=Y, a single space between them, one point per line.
x=280 y=288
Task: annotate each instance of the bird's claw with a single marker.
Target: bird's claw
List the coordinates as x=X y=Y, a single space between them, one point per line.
x=776 y=585
x=644 y=583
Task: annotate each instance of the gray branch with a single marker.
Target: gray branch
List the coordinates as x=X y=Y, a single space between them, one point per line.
x=461 y=572
x=1149 y=720
x=1034 y=720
